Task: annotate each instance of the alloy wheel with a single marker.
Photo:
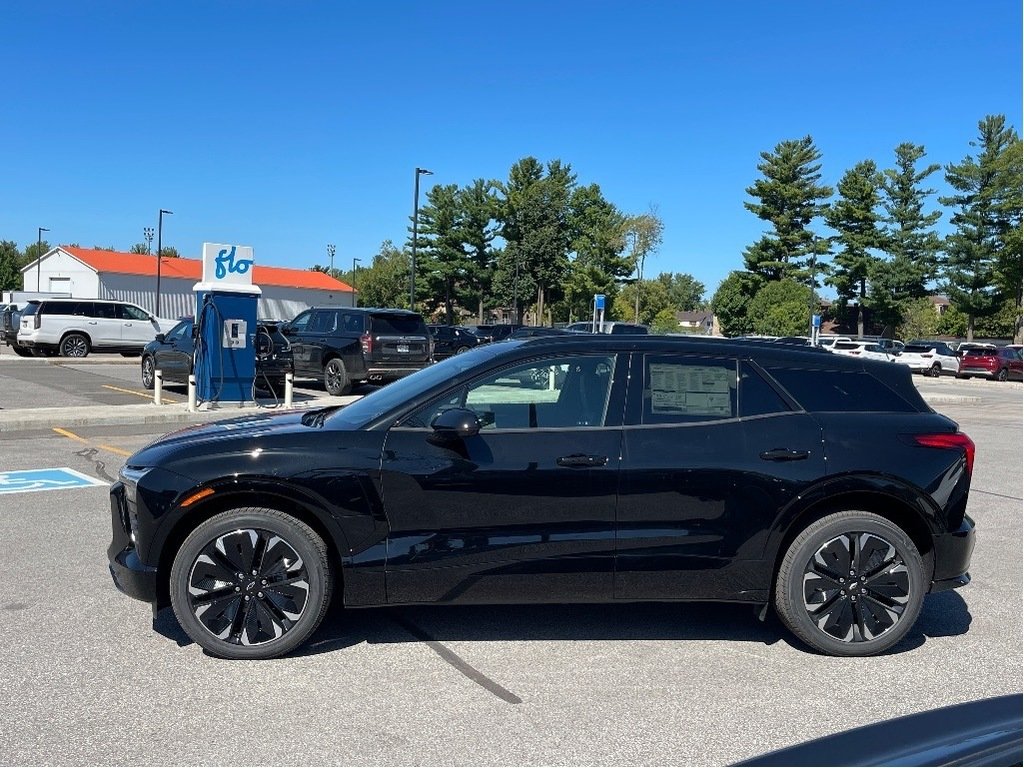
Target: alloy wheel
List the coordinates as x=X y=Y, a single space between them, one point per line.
x=74 y=346
x=148 y=372
x=856 y=587
x=248 y=587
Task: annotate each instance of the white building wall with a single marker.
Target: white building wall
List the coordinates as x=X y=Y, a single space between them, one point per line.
x=177 y=298
x=66 y=274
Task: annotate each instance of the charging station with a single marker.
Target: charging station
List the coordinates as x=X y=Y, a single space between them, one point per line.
x=225 y=327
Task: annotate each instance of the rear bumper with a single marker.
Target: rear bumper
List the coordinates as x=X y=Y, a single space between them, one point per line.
x=383 y=372
x=979 y=372
x=953 y=557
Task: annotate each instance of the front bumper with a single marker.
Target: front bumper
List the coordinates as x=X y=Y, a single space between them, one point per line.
x=953 y=557
x=130 y=575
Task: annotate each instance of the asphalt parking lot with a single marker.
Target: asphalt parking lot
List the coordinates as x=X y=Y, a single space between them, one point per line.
x=87 y=680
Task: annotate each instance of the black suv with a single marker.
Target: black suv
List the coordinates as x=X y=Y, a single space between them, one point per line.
x=10 y=319
x=575 y=468
x=344 y=346
x=451 y=340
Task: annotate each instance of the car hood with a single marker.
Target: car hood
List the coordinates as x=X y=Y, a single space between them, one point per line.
x=205 y=442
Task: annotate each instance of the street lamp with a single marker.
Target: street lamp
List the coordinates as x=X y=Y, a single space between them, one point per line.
x=330 y=254
x=39 y=256
x=355 y=299
x=415 y=224
x=147 y=232
x=159 y=248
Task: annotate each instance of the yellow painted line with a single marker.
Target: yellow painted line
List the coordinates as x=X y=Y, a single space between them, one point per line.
x=112 y=449
x=70 y=435
x=137 y=393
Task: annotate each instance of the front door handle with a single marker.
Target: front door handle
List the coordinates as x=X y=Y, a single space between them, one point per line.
x=581 y=460
x=784 y=454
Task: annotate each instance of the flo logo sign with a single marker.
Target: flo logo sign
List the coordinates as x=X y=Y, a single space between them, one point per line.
x=227 y=264
x=34 y=480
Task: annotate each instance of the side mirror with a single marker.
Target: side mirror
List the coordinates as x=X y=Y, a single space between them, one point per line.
x=456 y=423
x=161 y=338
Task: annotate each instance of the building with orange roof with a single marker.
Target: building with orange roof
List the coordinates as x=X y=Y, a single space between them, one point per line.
x=87 y=273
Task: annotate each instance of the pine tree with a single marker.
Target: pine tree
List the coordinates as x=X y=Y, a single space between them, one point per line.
x=445 y=262
x=987 y=215
x=478 y=206
x=790 y=198
x=855 y=218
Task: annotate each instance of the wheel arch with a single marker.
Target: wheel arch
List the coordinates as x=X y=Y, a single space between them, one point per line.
x=276 y=497
x=904 y=510
x=78 y=331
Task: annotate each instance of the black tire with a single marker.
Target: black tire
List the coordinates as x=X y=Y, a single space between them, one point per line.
x=130 y=354
x=148 y=372
x=963 y=376
x=248 y=617
x=21 y=351
x=461 y=349
x=935 y=370
x=888 y=575
x=74 y=345
x=1003 y=375
x=336 y=380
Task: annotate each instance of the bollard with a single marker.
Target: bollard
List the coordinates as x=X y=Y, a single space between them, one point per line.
x=288 y=390
x=158 y=387
x=191 y=393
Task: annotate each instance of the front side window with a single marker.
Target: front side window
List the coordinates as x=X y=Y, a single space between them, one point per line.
x=301 y=322
x=178 y=332
x=679 y=390
x=560 y=392
x=131 y=312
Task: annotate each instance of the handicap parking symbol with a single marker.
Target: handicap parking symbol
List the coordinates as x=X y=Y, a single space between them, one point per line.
x=55 y=479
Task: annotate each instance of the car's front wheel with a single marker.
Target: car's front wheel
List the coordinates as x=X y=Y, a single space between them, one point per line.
x=148 y=372
x=1003 y=375
x=850 y=584
x=935 y=370
x=74 y=345
x=251 y=583
x=336 y=380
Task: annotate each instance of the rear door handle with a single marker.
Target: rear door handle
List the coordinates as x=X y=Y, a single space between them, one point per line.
x=582 y=460
x=784 y=454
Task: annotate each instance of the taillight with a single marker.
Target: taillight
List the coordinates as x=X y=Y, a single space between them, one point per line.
x=367 y=341
x=854 y=351
x=950 y=440
x=927 y=356
x=35 y=320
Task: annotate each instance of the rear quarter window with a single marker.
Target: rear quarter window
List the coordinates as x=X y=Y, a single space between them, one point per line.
x=831 y=390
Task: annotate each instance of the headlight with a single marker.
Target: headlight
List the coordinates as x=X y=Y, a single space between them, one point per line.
x=131 y=476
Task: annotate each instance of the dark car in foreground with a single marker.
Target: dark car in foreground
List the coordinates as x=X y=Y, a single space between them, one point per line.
x=344 y=346
x=576 y=468
x=172 y=354
x=452 y=340
x=1003 y=364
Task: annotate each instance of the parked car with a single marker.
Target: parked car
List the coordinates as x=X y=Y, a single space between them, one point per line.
x=451 y=340
x=172 y=353
x=892 y=346
x=658 y=469
x=10 y=318
x=343 y=346
x=827 y=341
x=963 y=346
x=610 y=326
x=932 y=358
x=76 y=327
x=1002 y=364
x=868 y=350
x=530 y=331
x=493 y=332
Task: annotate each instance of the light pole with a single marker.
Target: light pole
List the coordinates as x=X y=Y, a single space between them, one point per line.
x=147 y=232
x=330 y=255
x=415 y=225
x=159 y=248
x=39 y=257
x=355 y=298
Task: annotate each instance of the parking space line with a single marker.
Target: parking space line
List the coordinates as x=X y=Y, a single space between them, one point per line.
x=72 y=436
x=137 y=393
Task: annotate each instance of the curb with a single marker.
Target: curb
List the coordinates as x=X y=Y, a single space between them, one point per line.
x=934 y=398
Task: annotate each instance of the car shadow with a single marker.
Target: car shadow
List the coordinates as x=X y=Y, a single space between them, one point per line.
x=943 y=615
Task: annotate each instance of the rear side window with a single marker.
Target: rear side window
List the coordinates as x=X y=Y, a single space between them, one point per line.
x=30 y=310
x=104 y=310
x=680 y=390
x=400 y=325
x=823 y=390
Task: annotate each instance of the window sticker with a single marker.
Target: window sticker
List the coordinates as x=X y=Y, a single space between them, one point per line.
x=691 y=390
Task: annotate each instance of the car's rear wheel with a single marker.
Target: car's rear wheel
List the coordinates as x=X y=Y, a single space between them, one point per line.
x=251 y=583
x=148 y=372
x=935 y=370
x=74 y=345
x=1003 y=375
x=851 y=584
x=336 y=380
x=461 y=349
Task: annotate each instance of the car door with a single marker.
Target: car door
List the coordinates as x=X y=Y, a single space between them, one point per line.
x=174 y=356
x=137 y=327
x=711 y=452
x=522 y=511
x=297 y=332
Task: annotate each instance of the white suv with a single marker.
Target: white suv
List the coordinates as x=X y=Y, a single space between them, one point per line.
x=932 y=358
x=868 y=350
x=75 y=327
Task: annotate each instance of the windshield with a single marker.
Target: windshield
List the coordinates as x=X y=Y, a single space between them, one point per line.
x=398 y=324
x=376 y=404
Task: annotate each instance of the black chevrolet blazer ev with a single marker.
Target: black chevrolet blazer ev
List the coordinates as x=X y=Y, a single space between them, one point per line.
x=563 y=469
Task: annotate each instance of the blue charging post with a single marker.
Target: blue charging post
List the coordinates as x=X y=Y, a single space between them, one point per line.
x=226 y=313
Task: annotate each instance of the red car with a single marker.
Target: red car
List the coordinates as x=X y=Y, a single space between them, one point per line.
x=1003 y=364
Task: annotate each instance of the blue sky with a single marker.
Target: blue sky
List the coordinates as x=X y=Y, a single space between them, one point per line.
x=287 y=126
